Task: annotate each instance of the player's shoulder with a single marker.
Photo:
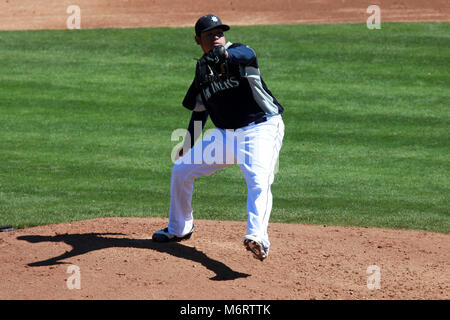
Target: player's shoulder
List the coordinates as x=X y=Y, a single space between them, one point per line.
x=240 y=53
x=236 y=45
x=240 y=47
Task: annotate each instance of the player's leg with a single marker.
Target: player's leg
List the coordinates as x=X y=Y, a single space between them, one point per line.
x=205 y=158
x=261 y=145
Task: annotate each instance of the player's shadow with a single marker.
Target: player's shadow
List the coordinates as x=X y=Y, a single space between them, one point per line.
x=87 y=242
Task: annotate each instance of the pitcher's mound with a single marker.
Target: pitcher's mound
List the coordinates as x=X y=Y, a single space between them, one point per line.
x=115 y=258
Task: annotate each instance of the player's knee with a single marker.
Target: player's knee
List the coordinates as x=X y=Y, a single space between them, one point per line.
x=257 y=188
x=179 y=169
x=184 y=171
x=258 y=182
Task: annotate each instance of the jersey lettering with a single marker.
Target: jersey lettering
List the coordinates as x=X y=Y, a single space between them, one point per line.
x=221 y=85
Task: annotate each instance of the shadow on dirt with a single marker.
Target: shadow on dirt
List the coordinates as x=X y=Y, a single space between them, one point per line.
x=87 y=242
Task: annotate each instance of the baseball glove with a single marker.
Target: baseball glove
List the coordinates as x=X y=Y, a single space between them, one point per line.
x=211 y=67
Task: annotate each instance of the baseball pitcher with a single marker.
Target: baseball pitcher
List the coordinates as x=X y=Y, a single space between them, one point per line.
x=229 y=89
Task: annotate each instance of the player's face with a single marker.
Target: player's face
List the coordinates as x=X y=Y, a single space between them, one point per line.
x=210 y=39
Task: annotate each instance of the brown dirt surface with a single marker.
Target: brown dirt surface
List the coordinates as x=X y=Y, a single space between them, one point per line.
x=51 y=14
x=117 y=259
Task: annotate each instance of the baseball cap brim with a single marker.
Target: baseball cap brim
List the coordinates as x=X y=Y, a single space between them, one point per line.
x=224 y=27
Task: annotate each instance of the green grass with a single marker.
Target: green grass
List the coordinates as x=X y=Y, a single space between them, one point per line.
x=86 y=118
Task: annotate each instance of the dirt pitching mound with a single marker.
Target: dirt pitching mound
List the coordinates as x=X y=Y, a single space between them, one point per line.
x=115 y=258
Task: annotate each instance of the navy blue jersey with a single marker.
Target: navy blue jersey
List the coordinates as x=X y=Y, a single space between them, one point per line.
x=238 y=99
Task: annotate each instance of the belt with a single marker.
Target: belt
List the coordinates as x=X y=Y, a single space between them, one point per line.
x=260 y=120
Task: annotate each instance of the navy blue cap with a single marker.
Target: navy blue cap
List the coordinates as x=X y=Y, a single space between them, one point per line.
x=208 y=22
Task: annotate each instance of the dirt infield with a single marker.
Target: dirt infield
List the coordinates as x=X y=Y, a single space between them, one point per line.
x=115 y=258
x=51 y=14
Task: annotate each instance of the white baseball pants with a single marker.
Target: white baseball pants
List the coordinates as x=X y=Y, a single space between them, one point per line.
x=255 y=148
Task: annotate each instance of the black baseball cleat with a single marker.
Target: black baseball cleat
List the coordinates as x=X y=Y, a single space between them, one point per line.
x=163 y=235
x=6 y=228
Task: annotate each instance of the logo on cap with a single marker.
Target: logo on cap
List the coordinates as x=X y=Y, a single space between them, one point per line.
x=214 y=19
